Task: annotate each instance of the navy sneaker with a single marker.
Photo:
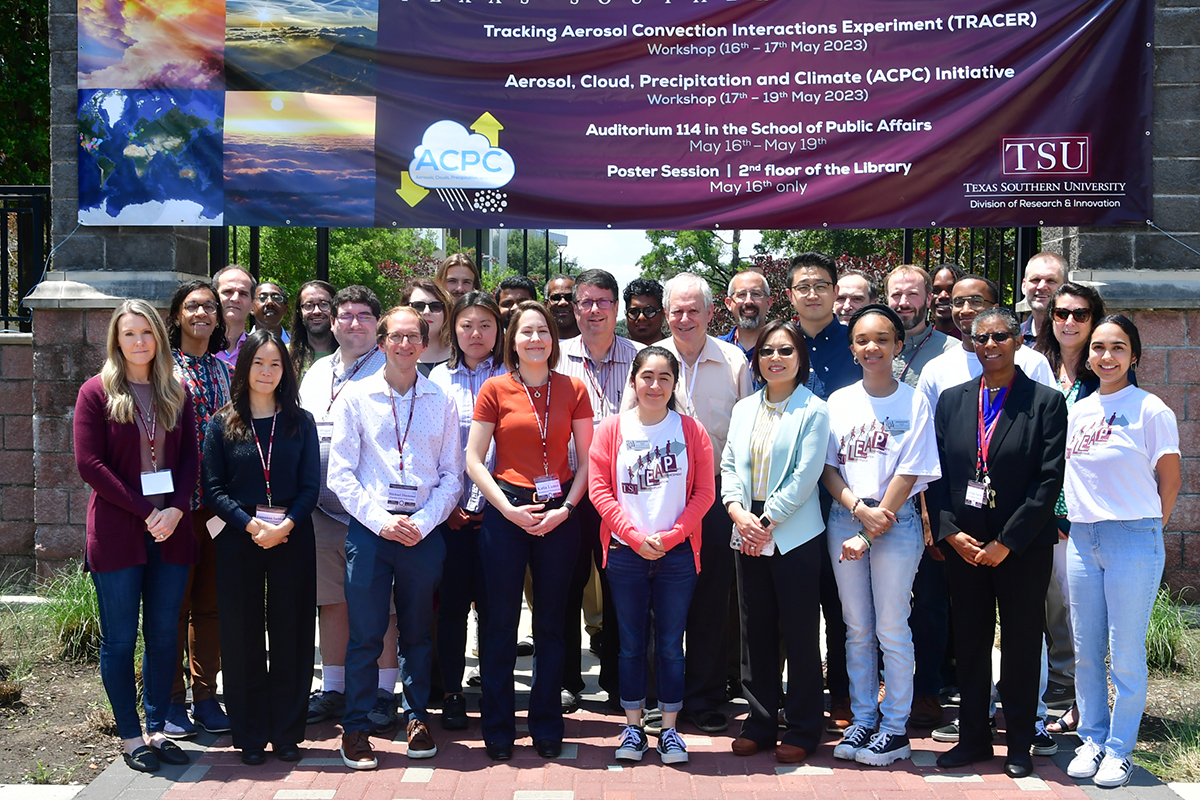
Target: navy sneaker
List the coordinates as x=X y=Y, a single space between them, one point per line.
x=208 y=715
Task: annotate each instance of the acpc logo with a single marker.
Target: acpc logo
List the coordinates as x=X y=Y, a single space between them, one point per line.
x=1027 y=156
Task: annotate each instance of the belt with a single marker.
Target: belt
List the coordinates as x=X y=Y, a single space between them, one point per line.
x=527 y=496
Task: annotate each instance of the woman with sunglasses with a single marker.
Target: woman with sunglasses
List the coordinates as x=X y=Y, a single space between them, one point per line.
x=1001 y=439
x=1122 y=480
x=433 y=303
x=770 y=467
x=882 y=452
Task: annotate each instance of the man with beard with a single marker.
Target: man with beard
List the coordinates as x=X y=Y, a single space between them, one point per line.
x=312 y=332
x=1044 y=273
x=748 y=298
x=944 y=278
x=854 y=290
x=909 y=290
x=559 y=291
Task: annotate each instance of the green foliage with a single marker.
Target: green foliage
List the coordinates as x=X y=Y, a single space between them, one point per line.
x=852 y=243
x=702 y=252
x=1164 y=636
x=1171 y=749
x=536 y=268
x=25 y=92
x=71 y=614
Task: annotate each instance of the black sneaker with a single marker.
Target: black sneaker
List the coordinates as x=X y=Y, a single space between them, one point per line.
x=1043 y=742
x=324 y=705
x=883 y=749
x=854 y=739
x=633 y=744
x=1058 y=696
x=454 y=712
x=949 y=733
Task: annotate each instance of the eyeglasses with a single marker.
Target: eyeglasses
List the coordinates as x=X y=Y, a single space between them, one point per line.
x=565 y=297
x=820 y=287
x=436 y=306
x=975 y=301
x=588 y=305
x=1080 y=314
x=271 y=297
x=784 y=352
x=752 y=294
x=644 y=311
x=401 y=338
x=366 y=319
x=207 y=308
x=320 y=305
x=999 y=337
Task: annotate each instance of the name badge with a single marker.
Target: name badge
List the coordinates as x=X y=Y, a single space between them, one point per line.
x=402 y=497
x=215 y=525
x=272 y=515
x=898 y=425
x=159 y=482
x=325 y=431
x=545 y=488
x=637 y=444
x=975 y=494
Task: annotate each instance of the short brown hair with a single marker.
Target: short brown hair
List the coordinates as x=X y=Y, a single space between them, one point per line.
x=381 y=328
x=510 y=334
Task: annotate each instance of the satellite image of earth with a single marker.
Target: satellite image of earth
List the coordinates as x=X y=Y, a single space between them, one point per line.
x=150 y=157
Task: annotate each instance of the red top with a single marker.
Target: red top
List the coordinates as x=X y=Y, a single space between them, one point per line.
x=503 y=402
x=108 y=455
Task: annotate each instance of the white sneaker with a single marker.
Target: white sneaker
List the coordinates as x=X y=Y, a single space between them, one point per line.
x=1086 y=761
x=1114 y=771
x=854 y=739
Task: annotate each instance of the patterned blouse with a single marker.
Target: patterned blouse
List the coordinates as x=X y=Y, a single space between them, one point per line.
x=1071 y=395
x=206 y=379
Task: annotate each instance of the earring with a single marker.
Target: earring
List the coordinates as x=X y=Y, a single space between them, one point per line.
x=855 y=360
x=1088 y=364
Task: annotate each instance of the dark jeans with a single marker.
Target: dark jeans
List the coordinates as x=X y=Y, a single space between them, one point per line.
x=589 y=553
x=156 y=588
x=506 y=551
x=267 y=704
x=708 y=642
x=782 y=593
x=376 y=569
x=664 y=586
x=462 y=584
x=930 y=623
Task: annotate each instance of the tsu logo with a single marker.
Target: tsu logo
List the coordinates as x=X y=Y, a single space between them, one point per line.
x=1046 y=155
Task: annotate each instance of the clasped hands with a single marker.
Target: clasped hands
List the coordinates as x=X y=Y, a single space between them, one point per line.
x=266 y=535
x=754 y=535
x=533 y=520
x=975 y=552
x=161 y=523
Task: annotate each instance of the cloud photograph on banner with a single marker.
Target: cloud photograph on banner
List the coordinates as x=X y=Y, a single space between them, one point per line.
x=169 y=44
x=299 y=159
x=323 y=46
x=150 y=157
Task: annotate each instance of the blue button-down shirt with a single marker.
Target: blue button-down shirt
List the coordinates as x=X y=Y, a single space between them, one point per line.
x=831 y=365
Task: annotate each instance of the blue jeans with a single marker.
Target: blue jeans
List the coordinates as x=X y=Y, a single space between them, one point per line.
x=1113 y=569
x=876 y=592
x=157 y=588
x=664 y=586
x=378 y=568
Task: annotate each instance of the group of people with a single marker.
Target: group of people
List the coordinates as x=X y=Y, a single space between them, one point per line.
x=462 y=450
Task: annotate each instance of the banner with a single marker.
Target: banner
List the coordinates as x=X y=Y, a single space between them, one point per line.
x=618 y=113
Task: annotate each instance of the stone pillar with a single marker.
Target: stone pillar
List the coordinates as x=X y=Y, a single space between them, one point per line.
x=16 y=456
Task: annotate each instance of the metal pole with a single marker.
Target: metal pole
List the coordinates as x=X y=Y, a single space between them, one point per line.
x=525 y=257
x=908 y=246
x=547 y=252
x=255 y=256
x=218 y=249
x=323 y=254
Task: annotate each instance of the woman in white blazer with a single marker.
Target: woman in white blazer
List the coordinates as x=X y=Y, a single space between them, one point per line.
x=770 y=467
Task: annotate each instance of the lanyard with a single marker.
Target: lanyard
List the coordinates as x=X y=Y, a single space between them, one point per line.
x=266 y=462
x=543 y=428
x=150 y=425
x=593 y=375
x=688 y=405
x=333 y=379
x=407 y=426
x=984 y=433
x=913 y=357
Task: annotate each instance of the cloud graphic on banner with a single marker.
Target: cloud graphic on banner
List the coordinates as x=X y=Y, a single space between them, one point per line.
x=450 y=156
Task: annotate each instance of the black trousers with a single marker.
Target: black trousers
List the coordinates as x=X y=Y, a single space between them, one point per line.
x=781 y=593
x=837 y=680
x=1017 y=586
x=707 y=641
x=267 y=706
x=610 y=640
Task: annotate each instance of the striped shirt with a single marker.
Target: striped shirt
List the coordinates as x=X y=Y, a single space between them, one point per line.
x=462 y=384
x=605 y=380
x=766 y=424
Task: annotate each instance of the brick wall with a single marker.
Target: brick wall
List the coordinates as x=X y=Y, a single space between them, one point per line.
x=16 y=455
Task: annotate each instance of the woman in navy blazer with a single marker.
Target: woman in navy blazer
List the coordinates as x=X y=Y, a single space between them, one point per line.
x=772 y=461
x=135 y=445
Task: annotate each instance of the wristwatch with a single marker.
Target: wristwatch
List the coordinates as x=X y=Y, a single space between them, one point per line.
x=570 y=507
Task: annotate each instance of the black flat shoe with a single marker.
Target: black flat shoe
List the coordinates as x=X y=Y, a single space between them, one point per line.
x=499 y=751
x=960 y=756
x=171 y=753
x=1018 y=766
x=287 y=752
x=254 y=756
x=142 y=760
x=549 y=748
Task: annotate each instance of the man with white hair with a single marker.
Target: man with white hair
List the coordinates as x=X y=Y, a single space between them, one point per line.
x=1044 y=273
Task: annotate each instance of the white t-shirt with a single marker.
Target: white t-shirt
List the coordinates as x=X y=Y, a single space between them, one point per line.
x=873 y=439
x=958 y=366
x=652 y=469
x=1114 y=442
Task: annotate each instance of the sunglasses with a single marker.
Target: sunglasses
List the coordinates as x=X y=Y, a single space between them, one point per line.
x=645 y=311
x=436 y=306
x=999 y=337
x=565 y=297
x=1080 y=314
x=784 y=352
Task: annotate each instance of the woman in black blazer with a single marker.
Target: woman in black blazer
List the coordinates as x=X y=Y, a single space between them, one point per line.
x=1002 y=441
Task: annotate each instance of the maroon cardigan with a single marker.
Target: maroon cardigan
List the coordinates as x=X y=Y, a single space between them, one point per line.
x=108 y=455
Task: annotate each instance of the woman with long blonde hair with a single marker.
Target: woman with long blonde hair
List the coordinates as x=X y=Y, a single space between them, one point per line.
x=135 y=445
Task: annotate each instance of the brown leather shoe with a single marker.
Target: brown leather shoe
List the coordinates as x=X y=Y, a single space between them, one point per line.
x=839 y=715
x=790 y=754
x=926 y=712
x=420 y=740
x=356 y=751
x=744 y=747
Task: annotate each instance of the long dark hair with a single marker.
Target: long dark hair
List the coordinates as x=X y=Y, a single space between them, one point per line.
x=474 y=299
x=644 y=355
x=1126 y=324
x=216 y=339
x=300 y=349
x=798 y=341
x=235 y=415
x=1047 y=343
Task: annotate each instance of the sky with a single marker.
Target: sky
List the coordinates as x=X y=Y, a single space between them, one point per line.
x=293 y=114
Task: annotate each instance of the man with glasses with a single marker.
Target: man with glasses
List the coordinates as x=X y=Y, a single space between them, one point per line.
x=312 y=331
x=1044 y=273
x=748 y=299
x=812 y=290
x=560 y=299
x=601 y=360
x=396 y=465
x=270 y=308
x=355 y=311
x=644 y=310
x=235 y=287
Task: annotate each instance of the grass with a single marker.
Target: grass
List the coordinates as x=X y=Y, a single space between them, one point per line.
x=1165 y=634
x=1172 y=751
x=72 y=614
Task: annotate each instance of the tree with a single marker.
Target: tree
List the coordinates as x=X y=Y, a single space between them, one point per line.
x=536 y=268
x=25 y=92
x=702 y=252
